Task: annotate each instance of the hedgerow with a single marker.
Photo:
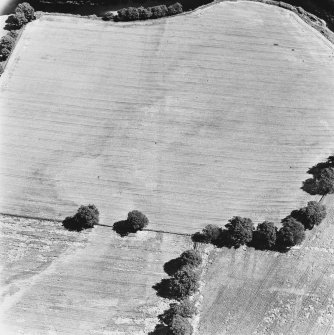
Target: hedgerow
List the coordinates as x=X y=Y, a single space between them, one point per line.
x=7 y=44
x=141 y=13
x=181 y=284
x=239 y=231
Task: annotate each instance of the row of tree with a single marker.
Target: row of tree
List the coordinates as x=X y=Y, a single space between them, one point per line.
x=182 y=283
x=240 y=231
x=24 y=13
x=7 y=44
x=142 y=13
x=88 y=216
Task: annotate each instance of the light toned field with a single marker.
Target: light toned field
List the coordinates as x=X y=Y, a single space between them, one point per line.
x=192 y=119
x=258 y=293
x=59 y=282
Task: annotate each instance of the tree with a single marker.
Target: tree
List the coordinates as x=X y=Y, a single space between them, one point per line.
x=186 y=309
x=4 y=53
x=265 y=235
x=240 y=230
x=18 y=20
x=108 y=16
x=291 y=233
x=211 y=233
x=122 y=14
x=86 y=217
x=7 y=42
x=158 y=11
x=180 y=326
x=27 y=10
x=137 y=220
x=322 y=182
x=182 y=284
x=191 y=258
x=13 y=34
x=144 y=13
x=310 y=215
x=175 y=9
x=132 y=14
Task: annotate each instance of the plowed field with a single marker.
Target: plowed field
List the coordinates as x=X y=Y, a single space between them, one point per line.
x=191 y=119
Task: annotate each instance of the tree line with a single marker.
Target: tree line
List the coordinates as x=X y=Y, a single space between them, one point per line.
x=144 y=13
x=182 y=283
x=24 y=13
x=240 y=231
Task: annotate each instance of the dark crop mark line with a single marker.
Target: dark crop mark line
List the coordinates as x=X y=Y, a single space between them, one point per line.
x=98 y=224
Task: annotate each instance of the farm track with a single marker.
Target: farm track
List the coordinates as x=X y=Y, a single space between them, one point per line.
x=125 y=116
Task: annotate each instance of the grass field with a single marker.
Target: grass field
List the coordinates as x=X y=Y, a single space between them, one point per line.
x=259 y=293
x=192 y=119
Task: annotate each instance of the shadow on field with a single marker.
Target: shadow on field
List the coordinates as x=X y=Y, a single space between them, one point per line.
x=224 y=241
x=162 y=288
x=160 y=330
x=172 y=266
x=10 y=23
x=122 y=228
x=70 y=223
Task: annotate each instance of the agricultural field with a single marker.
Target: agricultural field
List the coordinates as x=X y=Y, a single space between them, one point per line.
x=95 y=282
x=190 y=119
x=263 y=292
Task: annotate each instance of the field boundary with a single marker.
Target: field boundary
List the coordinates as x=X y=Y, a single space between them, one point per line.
x=39 y=218
x=20 y=32
x=312 y=20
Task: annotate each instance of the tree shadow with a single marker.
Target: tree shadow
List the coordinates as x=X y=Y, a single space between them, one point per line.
x=162 y=288
x=160 y=329
x=224 y=240
x=199 y=238
x=122 y=228
x=11 y=24
x=172 y=266
x=310 y=186
x=71 y=223
x=256 y=242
